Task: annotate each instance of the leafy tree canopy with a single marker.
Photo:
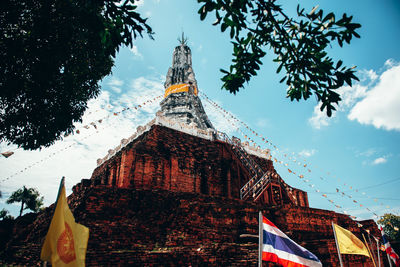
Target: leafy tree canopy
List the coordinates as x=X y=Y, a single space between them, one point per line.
x=5 y=215
x=391 y=225
x=53 y=53
x=299 y=45
x=29 y=198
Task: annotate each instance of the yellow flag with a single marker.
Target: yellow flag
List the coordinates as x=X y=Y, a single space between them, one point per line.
x=348 y=243
x=66 y=240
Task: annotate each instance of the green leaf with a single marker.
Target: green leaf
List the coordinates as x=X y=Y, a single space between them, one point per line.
x=279 y=68
x=223 y=71
x=223 y=26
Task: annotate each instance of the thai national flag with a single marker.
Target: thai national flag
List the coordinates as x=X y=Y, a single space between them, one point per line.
x=278 y=247
x=395 y=258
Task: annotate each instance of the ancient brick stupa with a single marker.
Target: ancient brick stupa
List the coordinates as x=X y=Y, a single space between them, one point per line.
x=179 y=193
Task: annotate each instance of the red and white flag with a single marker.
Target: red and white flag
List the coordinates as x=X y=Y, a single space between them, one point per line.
x=278 y=247
x=393 y=256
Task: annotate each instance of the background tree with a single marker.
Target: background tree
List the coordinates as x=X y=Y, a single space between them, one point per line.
x=299 y=44
x=53 y=54
x=391 y=225
x=5 y=215
x=29 y=198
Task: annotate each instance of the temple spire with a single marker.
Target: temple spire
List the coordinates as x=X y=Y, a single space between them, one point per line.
x=181 y=71
x=181 y=102
x=183 y=40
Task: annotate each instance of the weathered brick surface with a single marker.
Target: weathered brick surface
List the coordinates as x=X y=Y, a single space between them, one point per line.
x=158 y=227
x=172 y=199
x=313 y=227
x=143 y=227
x=163 y=158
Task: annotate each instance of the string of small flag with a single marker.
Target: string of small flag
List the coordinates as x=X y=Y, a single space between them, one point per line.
x=137 y=107
x=94 y=124
x=78 y=131
x=226 y=114
x=279 y=161
x=306 y=165
x=305 y=180
x=45 y=158
x=315 y=189
x=264 y=139
x=8 y=153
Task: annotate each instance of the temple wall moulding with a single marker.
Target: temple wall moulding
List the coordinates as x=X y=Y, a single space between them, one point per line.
x=208 y=134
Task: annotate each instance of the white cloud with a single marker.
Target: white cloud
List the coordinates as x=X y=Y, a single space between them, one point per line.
x=350 y=95
x=319 y=118
x=380 y=107
x=368 y=76
x=368 y=153
x=141 y=89
x=219 y=120
x=372 y=101
x=380 y=210
x=135 y=51
x=75 y=157
x=139 y=3
x=379 y=160
x=116 y=89
x=390 y=63
x=115 y=84
x=307 y=152
x=262 y=122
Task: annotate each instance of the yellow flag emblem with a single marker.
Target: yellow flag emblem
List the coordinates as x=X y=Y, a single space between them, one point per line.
x=66 y=240
x=348 y=243
x=65 y=245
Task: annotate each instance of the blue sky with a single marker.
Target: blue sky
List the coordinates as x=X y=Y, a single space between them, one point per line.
x=359 y=147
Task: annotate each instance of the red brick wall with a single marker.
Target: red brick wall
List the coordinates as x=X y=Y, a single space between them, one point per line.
x=172 y=199
x=157 y=227
x=163 y=158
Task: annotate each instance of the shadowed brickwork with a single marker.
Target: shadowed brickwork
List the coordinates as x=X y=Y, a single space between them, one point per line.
x=163 y=158
x=171 y=199
x=165 y=228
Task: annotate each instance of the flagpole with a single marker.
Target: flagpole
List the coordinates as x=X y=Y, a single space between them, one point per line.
x=260 y=238
x=59 y=191
x=337 y=245
x=370 y=243
x=55 y=204
x=384 y=243
x=377 y=248
x=369 y=252
x=389 y=259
